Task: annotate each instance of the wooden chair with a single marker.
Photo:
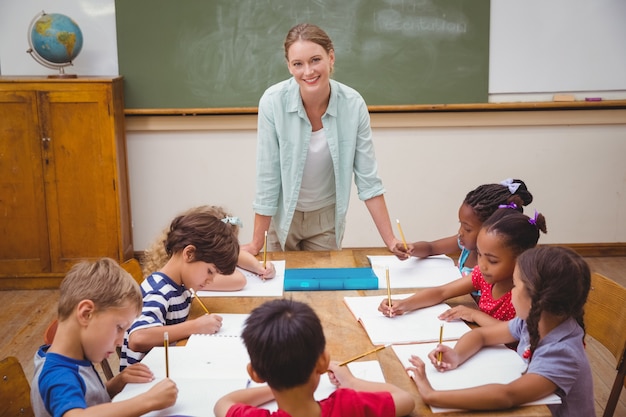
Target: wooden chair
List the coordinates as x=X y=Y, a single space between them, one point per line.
x=605 y=321
x=133 y=267
x=48 y=337
x=14 y=389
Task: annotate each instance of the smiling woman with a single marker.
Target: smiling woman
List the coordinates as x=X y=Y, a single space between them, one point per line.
x=313 y=135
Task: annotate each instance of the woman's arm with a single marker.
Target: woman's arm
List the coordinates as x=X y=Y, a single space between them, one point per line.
x=378 y=210
x=261 y=225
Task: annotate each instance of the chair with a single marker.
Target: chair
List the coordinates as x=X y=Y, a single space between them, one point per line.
x=14 y=389
x=48 y=337
x=133 y=267
x=605 y=321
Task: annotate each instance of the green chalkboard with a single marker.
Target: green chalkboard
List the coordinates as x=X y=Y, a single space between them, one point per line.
x=205 y=54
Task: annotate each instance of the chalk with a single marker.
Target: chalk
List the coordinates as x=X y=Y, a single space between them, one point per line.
x=563 y=97
x=593 y=98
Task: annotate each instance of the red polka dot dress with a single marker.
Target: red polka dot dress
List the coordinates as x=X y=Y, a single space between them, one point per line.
x=502 y=308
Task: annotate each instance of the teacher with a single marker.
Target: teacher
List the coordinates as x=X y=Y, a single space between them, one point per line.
x=313 y=134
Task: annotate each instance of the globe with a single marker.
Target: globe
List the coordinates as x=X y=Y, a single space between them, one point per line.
x=55 y=41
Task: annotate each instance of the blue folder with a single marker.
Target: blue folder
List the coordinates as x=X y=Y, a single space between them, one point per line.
x=320 y=279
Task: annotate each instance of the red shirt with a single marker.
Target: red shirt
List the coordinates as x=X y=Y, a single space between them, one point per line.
x=344 y=402
x=502 y=308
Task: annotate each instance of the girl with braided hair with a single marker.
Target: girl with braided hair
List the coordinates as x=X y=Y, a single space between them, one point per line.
x=551 y=288
x=478 y=205
x=501 y=239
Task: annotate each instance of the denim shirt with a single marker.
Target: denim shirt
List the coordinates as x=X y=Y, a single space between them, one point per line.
x=284 y=132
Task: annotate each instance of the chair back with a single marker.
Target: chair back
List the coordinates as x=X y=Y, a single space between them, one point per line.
x=14 y=389
x=605 y=321
x=133 y=267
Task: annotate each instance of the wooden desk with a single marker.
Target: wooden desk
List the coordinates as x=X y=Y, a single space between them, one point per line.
x=345 y=337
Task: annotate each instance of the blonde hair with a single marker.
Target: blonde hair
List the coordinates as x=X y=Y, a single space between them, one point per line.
x=104 y=282
x=156 y=255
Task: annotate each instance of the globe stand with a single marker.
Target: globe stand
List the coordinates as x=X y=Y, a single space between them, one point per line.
x=60 y=67
x=43 y=61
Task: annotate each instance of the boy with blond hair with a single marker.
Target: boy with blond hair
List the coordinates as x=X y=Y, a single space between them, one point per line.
x=98 y=302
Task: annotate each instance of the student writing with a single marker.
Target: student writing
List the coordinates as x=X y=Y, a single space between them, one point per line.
x=98 y=301
x=155 y=257
x=287 y=349
x=551 y=288
x=501 y=239
x=200 y=245
x=478 y=205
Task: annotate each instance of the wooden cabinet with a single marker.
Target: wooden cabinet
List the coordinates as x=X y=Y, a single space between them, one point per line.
x=63 y=177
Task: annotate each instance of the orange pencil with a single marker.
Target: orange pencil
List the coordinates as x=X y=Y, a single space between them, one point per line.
x=388 y=287
x=376 y=349
x=402 y=235
x=206 y=310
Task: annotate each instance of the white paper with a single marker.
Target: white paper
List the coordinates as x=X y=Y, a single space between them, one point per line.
x=414 y=272
x=417 y=326
x=255 y=287
x=493 y=364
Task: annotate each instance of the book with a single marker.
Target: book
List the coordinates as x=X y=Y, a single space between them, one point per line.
x=490 y=365
x=414 y=272
x=417 y=326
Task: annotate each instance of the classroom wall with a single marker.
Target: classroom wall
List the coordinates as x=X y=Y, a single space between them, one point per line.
x=572 y=161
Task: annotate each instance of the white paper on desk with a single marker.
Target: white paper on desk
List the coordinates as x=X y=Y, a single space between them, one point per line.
x=196 y=397
x=367 y=370
x=255 y=287
x=493 y=364
x=214 y=358
x=417 y=326
x=414 y=272
x=232 y=326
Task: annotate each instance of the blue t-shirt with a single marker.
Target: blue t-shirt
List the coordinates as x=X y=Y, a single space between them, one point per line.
x=164 y=303
x=61 y=384
x=560 y=357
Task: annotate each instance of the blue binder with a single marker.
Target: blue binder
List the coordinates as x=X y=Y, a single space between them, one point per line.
x=323 y=279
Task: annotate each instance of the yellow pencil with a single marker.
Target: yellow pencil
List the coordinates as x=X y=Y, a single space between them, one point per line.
x=388 y=287
x=265 y=253
x=440 y=354
x=402 y=235
x=206 y=310
x=376 y=349
x=166 y=342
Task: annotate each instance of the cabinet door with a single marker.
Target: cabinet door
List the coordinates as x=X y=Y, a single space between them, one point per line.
x=80 y=175
x=23 y=225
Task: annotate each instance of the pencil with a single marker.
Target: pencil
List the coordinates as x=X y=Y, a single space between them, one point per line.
x=206 y=310
x=440 y=354
x=265 y=250
x=376 y=349
x=388 y=287
x=402 y=235
x=167 y=359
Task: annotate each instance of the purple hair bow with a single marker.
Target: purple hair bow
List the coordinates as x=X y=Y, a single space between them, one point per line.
x=511 y=205
x=533 y=220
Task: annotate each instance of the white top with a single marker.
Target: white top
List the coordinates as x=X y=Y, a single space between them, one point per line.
x=318 y=180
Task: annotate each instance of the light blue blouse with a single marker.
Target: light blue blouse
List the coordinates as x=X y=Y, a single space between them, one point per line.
x=284 y=132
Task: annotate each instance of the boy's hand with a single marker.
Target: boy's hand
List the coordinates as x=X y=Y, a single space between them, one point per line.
x=417 y=372
x=208 y=324
x=339 y=376
x=163 y=394
x=136 y=373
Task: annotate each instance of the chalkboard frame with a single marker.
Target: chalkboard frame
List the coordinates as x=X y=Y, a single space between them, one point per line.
x=137 y=19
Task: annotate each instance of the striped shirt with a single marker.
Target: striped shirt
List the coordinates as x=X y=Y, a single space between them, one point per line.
x=164 y=303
